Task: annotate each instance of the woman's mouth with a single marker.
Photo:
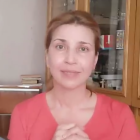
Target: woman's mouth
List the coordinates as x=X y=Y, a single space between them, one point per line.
x=70 y=73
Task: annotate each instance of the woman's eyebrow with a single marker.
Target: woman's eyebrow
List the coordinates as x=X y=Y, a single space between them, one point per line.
x=63 y=40
x=83 y=42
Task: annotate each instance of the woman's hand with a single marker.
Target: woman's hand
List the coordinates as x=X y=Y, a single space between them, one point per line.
x=76 y=137
x=70 y=132
x=75 y=133
x=61 y=130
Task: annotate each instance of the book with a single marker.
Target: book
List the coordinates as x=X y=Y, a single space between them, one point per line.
x=39 y=85
x=31 y=76
x=30 y=81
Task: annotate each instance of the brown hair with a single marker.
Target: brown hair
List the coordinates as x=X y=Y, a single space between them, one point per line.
x=71 y=17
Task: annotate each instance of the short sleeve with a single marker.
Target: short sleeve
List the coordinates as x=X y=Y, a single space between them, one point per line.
x=16 y=129
x=129 y=130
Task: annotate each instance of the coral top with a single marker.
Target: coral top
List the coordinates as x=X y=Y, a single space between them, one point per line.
x=112 y=120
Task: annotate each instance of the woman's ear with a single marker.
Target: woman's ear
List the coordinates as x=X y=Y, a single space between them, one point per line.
x=95 y=60
x=47 y=61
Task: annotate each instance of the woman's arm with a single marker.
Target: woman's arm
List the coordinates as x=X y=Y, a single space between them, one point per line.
x=129 y=129
x=16 y=129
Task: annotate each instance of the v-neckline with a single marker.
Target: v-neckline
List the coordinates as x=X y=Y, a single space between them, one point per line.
x=87 y=125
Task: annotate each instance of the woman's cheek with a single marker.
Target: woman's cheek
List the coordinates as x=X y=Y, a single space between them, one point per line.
x=56 y=62
x=88 y=63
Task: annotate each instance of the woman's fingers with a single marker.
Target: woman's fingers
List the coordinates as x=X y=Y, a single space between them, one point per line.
x=66 y=126
x=75 y=131
x=61 y=131
x=76 y=137
x=70 y=132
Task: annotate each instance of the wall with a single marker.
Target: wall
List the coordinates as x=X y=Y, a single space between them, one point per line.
x=22 y=35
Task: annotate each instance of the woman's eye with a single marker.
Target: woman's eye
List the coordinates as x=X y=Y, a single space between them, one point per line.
x=84 y=49
x=60 y=47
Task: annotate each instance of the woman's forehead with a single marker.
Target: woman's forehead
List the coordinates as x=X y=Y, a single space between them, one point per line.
x=73 y=32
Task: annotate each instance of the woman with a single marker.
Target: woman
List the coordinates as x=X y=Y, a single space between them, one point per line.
x=69 y=110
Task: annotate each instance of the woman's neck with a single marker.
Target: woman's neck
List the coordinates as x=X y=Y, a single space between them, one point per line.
x=71 y=98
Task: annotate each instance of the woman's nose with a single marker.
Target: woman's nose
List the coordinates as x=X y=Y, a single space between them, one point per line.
x=70 y=57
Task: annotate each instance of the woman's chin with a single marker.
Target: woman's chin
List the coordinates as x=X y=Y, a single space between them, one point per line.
x=71 y=85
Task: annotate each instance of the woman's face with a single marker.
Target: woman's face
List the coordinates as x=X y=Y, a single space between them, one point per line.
x=71 y=56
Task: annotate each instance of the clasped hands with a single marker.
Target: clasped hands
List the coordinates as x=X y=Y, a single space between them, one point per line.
x=70 y=132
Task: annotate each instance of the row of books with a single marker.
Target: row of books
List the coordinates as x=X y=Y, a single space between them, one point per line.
x=30 y=79
x=28 y=82
x=33 y=80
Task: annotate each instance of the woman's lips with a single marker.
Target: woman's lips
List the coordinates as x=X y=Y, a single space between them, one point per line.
x=70 y=73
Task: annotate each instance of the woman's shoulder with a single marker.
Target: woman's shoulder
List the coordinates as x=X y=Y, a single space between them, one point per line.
x=29 y=112
x=32 y=104
x=115 y=111
x=120 y=116
x=33 y=101
x=113 y=106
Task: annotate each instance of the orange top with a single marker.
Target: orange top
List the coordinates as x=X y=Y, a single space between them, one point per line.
x=112 y=120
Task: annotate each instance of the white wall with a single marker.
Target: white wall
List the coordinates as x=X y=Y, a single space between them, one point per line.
x=22 y=35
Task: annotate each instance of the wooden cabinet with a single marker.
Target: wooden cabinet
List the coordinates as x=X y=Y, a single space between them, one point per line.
x=118 y=69
x=116 y=19
x=4 y=125
x=136 y=72
x=118 y=65
x=9 y=98
x=56 y=7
